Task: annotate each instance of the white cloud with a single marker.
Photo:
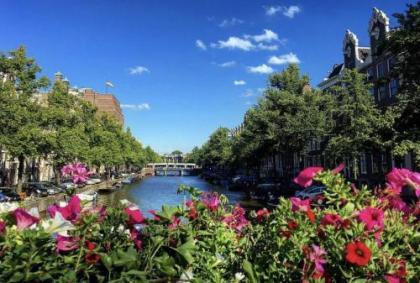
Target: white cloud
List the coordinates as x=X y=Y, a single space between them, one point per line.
x=249 y=93
x=272 y=10
x=138 y=70
x=262 y=69
x=239 y=82
x=234 y=42
x=227 y=64
x=289 y=58
x=263 y=46
x=230 y=22
x=267 y=36
x=200 y=44
x=138 y=107
x=289 y=12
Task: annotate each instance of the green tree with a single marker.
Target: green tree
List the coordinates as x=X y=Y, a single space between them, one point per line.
x=358 y=121
x=285 y=119
x=19 y=119
x=405 y=43
x=217 y=151
x=195 y=156
x=66 y=122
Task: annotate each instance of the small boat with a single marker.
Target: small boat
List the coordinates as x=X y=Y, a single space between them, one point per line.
x=128 y=180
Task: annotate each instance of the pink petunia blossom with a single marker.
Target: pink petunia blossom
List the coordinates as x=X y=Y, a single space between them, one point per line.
x=400 y=177
x=316 y=255
x=2 y=227
x=298 y=204
x=338 y=169
x=24 y=219
x=69 y=212
x=210 y=200
x=393 y=279
x=175 y=223
x=65 y=243
x=262 y=214
x=306 y=176
x=77 y=171
x=134 y=235
x=189 y=203
x=237 y=219
x=332 y=219
x=372 y=218
x=155 y=216
x=134 y=215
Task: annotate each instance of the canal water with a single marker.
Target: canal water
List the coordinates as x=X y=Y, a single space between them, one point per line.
x=153 y=192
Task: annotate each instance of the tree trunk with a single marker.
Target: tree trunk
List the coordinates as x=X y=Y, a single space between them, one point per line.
x=57 y=174
x=21 y=172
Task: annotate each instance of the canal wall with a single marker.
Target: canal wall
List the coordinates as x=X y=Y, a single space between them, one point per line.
x=43 y=203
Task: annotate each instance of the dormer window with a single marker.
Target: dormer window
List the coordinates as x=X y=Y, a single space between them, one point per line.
x=347 y=52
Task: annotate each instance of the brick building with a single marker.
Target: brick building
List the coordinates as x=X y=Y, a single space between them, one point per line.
x=106 y=103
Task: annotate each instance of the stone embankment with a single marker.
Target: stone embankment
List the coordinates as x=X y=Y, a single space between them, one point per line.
x=43 y=203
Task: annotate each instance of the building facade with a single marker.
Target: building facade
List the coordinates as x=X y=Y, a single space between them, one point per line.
x=105 y=103
x=377 y=62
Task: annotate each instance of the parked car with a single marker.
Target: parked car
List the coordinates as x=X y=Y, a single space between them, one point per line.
x=68 y=184
x=311 y=192
x=8 y=194
x=40 y=189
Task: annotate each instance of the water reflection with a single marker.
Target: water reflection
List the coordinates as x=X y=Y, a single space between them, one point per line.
x=153 y=192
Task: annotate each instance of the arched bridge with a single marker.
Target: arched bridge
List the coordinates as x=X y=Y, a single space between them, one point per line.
x=173 y=169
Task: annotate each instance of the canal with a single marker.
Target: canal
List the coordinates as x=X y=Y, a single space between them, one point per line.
x=153 y=192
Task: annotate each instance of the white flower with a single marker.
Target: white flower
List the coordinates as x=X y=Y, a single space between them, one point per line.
x=187 y=276
x=8 y=206
x=57 y=225
x=239 y=276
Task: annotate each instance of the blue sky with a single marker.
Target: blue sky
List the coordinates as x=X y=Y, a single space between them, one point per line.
x=182 y=68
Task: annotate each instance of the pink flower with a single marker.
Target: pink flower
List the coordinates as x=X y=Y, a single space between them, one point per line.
x=398 y=178
x=77 y=171
x=372 y=217
x=339 y=168
x=175 y=223
x=155 y=216
x=2 y=227
x=393 y=279
x=316 y=255
x=24 y=219
x=302 y=205
x=237 y=219
x=134 y=235
x=306 y=176
x=189 y=203
x=69 y=212
x=65 y=243
x=210 y=200
x=262 y=213
x=331 y=219
x=134 y=215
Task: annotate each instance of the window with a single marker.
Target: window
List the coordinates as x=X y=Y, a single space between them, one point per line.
x=363 y=168
x=381 y=69
x=370 y=73
x=391 y=62
x=372 y=91
x=393 y=87
x=381 y=92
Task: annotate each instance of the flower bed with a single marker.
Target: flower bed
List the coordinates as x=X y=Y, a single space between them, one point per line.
x=354 y=236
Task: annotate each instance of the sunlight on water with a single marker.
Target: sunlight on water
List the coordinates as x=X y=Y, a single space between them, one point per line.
x=153 y=192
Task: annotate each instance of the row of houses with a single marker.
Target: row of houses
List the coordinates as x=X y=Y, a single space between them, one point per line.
x=377 y=62
x=41 y=168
